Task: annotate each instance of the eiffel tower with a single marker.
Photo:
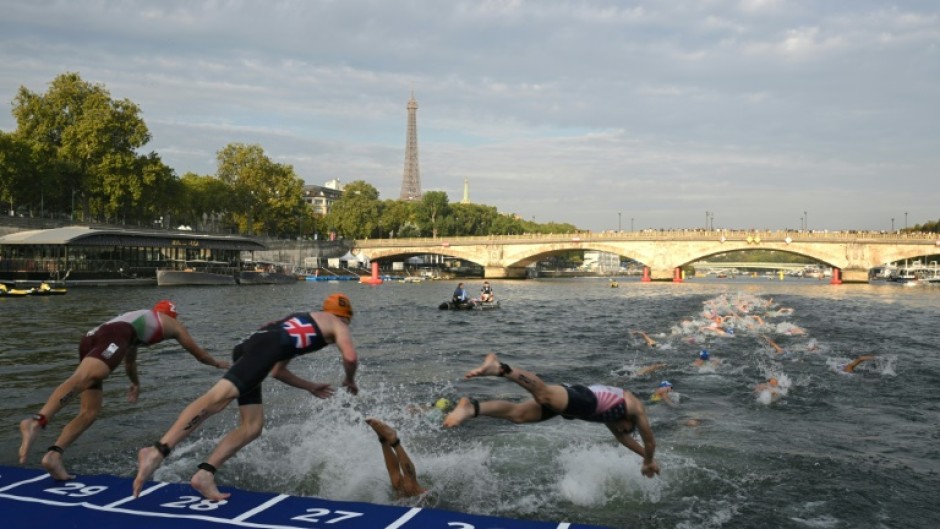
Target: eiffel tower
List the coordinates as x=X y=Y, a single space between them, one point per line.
x=411 y=180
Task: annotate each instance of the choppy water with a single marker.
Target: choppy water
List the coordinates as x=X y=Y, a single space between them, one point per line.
x=837 y=451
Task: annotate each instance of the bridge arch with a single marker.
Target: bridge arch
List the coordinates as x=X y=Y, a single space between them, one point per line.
x=853 y=253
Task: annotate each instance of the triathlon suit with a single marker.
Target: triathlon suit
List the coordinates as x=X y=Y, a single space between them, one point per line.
x=487 y=290
x=280 y=340
x=594 y=403
x=110 y=341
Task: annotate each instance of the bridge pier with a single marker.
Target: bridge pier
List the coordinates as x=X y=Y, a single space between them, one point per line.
x=855 y=275
x=504 y=272
x=664 y=274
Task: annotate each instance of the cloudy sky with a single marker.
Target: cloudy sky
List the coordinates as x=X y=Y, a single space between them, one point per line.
x=606 y=114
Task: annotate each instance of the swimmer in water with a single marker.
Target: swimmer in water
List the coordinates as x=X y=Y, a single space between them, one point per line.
x=619 y=410
x=774 y=345
x=664 y=394
x=401 y=471
x=705 y=359
x=771 y=388
x=850 y=367
x=649 y=341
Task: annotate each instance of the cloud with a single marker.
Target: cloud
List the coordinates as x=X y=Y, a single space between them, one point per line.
x=565 y=111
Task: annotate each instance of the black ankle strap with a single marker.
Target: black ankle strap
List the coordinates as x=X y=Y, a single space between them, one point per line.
x=164 y=449
x=55 y=448
x=207 y=467
x=476 y=406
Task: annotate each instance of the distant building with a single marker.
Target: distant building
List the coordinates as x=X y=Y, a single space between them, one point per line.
x=320 y=198
x=602 y=262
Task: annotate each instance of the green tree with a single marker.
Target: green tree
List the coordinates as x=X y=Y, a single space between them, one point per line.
x=92 y=140
x=265 y=195
x=14 y=170
x=396 y=214
x=357 y=213
x=430 y=210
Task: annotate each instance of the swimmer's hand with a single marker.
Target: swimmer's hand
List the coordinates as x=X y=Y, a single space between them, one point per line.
x=222 y=364
x=650 y=469
x=321 y=391
x=133 y=391
x=351 y=386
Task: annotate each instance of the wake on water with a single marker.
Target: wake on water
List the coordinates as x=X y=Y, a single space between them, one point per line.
x=324 y=447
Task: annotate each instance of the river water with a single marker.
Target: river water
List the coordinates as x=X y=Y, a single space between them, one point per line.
x=836 y=451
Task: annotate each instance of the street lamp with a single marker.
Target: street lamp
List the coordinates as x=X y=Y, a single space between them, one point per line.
x=806 y=221
x=631 y=223
x=892 y=223
x=905 y=220
x=619 y=226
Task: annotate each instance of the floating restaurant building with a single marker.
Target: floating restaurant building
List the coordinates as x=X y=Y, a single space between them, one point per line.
x=84 y=255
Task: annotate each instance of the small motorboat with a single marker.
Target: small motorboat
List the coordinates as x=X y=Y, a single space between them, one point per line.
x=486 y=305
x=450 y=305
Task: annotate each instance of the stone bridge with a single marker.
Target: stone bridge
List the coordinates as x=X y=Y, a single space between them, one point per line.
x=663 y=253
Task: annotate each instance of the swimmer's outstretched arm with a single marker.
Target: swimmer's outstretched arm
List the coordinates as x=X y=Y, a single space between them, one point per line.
x=850 y=367
x=285 y=375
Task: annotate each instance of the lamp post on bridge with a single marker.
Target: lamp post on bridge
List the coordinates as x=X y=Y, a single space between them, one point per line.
x=905 y=220
x=805 y=221
x=619 y=225
x=802 y=226
x=892 y=224
x=631 y=223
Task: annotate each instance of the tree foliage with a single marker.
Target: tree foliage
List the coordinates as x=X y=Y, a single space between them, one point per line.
x=76 y=150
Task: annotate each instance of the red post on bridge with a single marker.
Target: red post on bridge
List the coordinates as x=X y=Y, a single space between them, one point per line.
x=646 y=275
x=677 y=275
x=836 y=276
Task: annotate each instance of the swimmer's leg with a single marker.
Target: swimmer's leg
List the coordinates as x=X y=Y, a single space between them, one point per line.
x=521 y=413
x=88 y=372
x=250 y=424
x=210 y=403
x=92 y=399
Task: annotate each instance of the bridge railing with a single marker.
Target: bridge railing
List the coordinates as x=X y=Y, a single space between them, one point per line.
x=670 y=235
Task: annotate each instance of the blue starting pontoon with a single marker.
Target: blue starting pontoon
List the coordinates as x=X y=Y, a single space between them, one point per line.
x=30 y=499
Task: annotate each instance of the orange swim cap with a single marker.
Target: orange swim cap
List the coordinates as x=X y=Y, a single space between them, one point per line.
x=773 y=381
x=338 y=305
x=167 y=307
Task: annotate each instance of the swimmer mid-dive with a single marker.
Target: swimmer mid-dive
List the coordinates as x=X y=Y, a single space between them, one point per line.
x=619 y=410
x=267 y=351
x=401 y=471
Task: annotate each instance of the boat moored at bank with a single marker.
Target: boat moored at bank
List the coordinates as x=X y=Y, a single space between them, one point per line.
x=92 y=256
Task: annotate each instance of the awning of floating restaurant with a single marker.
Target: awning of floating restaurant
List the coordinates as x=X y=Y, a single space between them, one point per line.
x=85 y=236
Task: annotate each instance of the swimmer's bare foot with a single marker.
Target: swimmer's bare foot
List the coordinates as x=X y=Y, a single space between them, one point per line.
x=386 y=433
x=489 y=368
x=462 y=412
x=53 y=464
x=204 y=482
x=29 y=428
x=148 y=459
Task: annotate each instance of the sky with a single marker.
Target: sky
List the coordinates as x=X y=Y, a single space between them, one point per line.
x=743 y=114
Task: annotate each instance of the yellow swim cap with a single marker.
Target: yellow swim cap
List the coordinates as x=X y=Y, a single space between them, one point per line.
x=442 y=404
